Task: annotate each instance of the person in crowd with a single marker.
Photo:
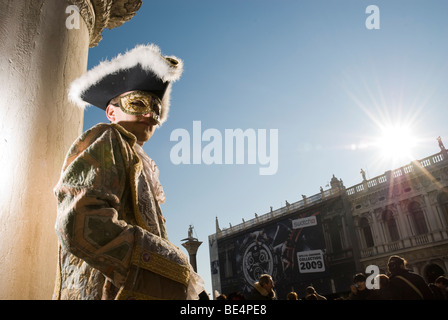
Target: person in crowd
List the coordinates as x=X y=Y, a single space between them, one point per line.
x=264 y=289
x=359 y=290
x=405 y=284
x=440 y=288
x=292 y=296
x=383 y=292
x=222 y=296
x=311 y=291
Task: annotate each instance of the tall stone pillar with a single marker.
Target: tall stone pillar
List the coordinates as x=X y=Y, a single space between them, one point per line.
x=192 y=245
x=40 y=55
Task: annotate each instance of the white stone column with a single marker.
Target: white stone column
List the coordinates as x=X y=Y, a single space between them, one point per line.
x=39 y=57
x=376 y=231
x=431 y=217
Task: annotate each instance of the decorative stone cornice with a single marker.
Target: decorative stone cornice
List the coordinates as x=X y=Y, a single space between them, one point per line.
x=101 y=14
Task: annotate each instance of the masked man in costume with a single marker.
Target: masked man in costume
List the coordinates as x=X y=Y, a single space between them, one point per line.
x=112 y=238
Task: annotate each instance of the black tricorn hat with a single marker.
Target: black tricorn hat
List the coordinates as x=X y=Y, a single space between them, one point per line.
x=143 y=68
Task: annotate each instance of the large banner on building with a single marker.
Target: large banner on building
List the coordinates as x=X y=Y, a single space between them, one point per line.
x=291 y=250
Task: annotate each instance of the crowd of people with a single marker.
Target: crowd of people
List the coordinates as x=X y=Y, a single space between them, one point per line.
x=399 y=284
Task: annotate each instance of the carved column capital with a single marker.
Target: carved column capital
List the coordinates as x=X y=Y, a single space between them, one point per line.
x=101 y=14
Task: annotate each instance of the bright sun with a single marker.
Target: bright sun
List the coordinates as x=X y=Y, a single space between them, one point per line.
x=396 y=143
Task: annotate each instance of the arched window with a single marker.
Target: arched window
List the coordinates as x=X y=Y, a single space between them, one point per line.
x=367 y=232
x=418 y=218
x=391 y=225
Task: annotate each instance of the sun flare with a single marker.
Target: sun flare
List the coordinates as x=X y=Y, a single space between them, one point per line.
x=396 y=143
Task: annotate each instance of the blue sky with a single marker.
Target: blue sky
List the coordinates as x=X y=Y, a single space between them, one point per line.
x=307 y=68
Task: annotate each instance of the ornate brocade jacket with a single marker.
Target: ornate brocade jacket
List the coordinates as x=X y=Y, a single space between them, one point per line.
x=112 y=237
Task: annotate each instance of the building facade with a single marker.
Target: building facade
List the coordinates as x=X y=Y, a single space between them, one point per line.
x=325 y=239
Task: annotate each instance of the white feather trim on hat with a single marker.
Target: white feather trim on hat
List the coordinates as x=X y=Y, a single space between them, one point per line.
x=150 y=59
